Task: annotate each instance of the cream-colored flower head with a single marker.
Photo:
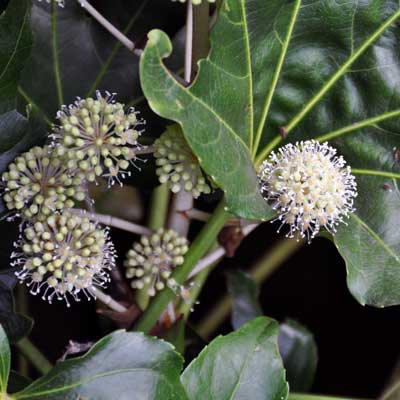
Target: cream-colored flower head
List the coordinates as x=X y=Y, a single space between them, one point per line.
x=37 y=184
x=98 y=137
x=63 y=256
x=309 y=186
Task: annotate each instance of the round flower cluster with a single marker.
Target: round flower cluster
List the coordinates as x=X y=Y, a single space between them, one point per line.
x=98 y=137
x=37 y=184
x=177 y=165
x=195 y=2
x=151 y=261
x=309 y=186
x=65 y=254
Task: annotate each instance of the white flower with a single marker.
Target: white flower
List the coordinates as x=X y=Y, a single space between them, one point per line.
x=309 y=186
x=151 y=261
x=177 y=165
x=37 y=184
x=98 y=137
x=65 y=254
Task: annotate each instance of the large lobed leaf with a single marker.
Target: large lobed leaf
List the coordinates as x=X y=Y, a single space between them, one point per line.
x=304 y=69
x=242 y=365
x=124 y=366
x=370 y=243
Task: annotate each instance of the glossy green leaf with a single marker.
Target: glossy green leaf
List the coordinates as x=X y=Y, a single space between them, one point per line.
x=303 y=68
x=71 y=53
x=216 y=112
x=242 y=365
x=244 y=292
x=15 y=47
x=17 y=382
x=15 y=324
x=370 y=243
x=5 y=360
x=124 y=366
x=299 y=353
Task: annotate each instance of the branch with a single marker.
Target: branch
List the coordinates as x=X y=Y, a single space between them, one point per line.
x=110 y=27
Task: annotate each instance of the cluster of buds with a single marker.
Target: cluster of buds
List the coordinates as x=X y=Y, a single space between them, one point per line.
x=38 y=184
x=177 y=165
x=151 y=261
x=97 y=137
x=309 y=186
x=66 y=254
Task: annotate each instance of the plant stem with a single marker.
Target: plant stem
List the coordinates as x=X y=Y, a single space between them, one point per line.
x=157 y=217
x=56 y=62
x=178 y=221
x=198 y=248
x=158 y=207
x=115 y=222
x=269 y=262
x=189 y=42
x=109 y=26
x=107 y=300
x=115 y=50
x=185 y=306
x=218 y=253
x=35 y=357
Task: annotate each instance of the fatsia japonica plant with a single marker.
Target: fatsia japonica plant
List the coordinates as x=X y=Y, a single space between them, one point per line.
x=142 y=141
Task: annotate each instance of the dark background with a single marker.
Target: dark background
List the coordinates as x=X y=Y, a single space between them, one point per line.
x=358 y=346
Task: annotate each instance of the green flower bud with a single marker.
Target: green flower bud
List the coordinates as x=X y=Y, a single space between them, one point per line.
x=150 y=262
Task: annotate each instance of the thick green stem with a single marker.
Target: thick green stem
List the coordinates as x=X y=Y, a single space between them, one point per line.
x=157 y=218
x=197 y=250
x=260 y=272
x=159 y=207
x=198 y=282
x=35 y=357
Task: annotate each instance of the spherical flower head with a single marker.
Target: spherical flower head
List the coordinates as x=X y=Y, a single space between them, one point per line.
x=64 y=255
x=151 y=261
x=309 y=186
x=98 y=137
x=37 y=183
x=177 y=165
